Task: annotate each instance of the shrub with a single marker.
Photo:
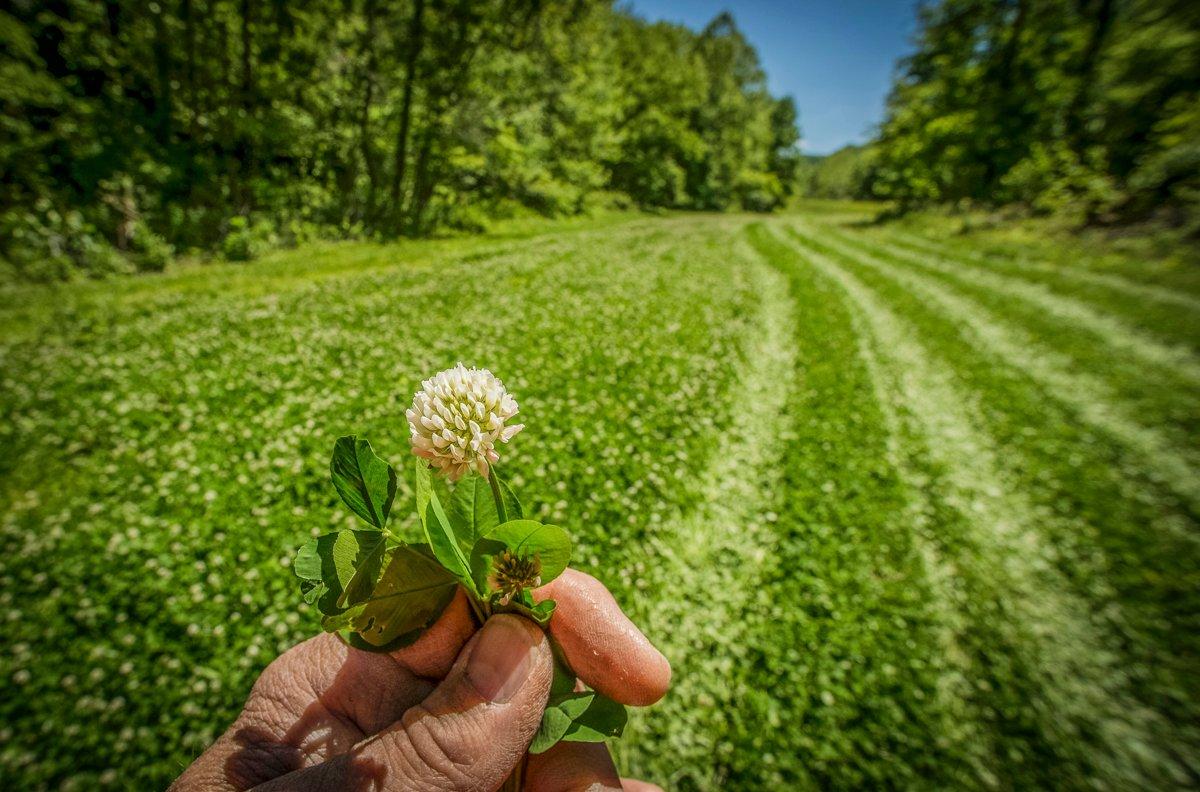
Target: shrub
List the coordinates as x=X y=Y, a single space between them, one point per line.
x=151 y=252
x=758 y=192
x=46 y=245
x=247 y=240
x=1054 y=180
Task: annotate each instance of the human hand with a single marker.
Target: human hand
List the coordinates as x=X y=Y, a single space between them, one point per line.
x=454 y=711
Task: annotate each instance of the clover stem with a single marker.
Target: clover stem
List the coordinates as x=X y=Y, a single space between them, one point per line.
x=497 y=496
x=479 y=608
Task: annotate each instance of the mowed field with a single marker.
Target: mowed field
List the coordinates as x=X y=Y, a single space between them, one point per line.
x=902 y=510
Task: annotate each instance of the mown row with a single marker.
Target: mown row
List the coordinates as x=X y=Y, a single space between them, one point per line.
x=902 y=511
x=980 y=563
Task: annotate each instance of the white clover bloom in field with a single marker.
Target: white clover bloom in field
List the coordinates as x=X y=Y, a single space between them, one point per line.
x=457 y=417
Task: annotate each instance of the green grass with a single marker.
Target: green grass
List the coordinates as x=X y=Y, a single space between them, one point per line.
x=903 y=509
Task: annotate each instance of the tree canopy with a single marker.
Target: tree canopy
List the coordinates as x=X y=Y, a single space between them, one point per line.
x=1088 y=106
x=131 y=127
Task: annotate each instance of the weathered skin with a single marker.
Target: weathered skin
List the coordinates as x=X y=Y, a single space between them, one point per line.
x=454 y=711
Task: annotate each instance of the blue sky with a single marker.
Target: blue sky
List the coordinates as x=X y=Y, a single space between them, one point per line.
x=835 y=57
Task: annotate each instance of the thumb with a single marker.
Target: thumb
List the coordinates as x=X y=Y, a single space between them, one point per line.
x=475 y=726
x=468 y=734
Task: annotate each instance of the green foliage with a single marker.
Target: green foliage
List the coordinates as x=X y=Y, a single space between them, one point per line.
x=755 y=191
x=366 y=483
x=473 y=511
x=149 y=250
x=445 y=538
x=186 y=123
x=862 y=618
x=47 y=245
x=846 y=173
x=548 y=544
x=576 y=717
x=380 y=593
x=337 y=567
x=247 y=240
x=1084 y=109
x=410 y=595
x=1052 y=180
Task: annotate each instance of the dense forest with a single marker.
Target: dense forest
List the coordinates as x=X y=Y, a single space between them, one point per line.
x=1086 y=108
x=137 y=128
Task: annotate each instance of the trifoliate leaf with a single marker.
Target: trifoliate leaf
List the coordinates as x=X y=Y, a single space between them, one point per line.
x=411 y=594
x=337 y=570
x=578 y=717
x=366 y=483
x=602 y=718
x=554 y=725
x=473 y=504
x=438 y=530
x=368 y=561
x=307 y=567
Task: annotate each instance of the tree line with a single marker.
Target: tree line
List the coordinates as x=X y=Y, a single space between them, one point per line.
x=1089 y=108
x=136 y=127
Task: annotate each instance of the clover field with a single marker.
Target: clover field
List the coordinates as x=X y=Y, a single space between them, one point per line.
x=903 y=510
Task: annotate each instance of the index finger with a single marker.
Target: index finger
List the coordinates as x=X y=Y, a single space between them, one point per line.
x=604 y=648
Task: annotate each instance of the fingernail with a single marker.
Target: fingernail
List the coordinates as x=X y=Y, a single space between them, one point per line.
x=499 y=663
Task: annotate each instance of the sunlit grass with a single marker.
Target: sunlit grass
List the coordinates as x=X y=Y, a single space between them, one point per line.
x=902 y=511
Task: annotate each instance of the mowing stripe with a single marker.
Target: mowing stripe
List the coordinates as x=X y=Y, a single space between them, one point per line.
x=1117 y=537
x=1113 y=332
x=847 y=664
x=1118 y=284
x=1090 y=397
x=946 y=582
x=1078 y=673
x=711 y=552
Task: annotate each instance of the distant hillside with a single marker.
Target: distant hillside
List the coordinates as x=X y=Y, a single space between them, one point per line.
x=841 y=174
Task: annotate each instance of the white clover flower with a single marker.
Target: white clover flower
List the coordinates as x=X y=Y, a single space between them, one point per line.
x=457 y=417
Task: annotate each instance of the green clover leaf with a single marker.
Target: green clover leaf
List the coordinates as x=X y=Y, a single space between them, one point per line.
x=576 y=717
x=366 y=483
x=411 y=594
x=524 y=539
x=339 y=569
x=439 y=531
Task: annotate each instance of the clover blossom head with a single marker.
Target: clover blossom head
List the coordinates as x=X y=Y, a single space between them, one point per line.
x=457 y=418
x=511 y=573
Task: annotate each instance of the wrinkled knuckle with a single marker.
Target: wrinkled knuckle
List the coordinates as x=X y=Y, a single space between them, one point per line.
x=272 y=704
x=270 y=685
x=277 y=680
x=447 y=756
